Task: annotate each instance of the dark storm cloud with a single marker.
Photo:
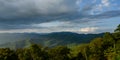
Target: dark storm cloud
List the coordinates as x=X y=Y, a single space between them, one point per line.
x=20 y=14
x=77 y=16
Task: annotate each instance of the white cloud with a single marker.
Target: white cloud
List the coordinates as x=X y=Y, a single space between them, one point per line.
x=88 y=29
x=51 y=24
x=78 y=2
x=105 y=2
x=98 y=8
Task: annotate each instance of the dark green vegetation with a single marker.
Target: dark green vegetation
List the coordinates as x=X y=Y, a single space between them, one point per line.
x=101 y=48
x=20 y=40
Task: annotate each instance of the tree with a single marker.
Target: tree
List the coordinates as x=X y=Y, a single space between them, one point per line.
x=117 y=30
x=37 y=53
x=59 y=53
x=80 y=52
x=96 y=49
x=34 y=52
x=117 y=33
x=7 y=54
x=108 y=40
x=109 y=45
x=80 y=56
x=23 y=54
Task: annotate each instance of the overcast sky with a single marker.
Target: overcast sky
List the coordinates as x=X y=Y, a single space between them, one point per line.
x=45 y=16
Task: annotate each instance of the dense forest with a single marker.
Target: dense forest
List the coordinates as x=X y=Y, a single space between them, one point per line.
x=101 y=48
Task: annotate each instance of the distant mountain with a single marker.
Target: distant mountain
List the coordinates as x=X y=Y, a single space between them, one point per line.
x=20 y=40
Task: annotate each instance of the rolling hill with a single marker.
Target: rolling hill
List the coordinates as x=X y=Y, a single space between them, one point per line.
x=20 y=40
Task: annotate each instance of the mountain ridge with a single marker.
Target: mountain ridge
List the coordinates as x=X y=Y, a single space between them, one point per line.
x=49 y=39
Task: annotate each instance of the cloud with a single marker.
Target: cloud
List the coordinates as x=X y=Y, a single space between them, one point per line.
x=52 y=24
x=105 y=2
x=54 y=29
x=26 y=12
x=108 y=14
x=43 y=15
x=22 y=8
x=50 y=21
x=102 y=6
x=88 y=29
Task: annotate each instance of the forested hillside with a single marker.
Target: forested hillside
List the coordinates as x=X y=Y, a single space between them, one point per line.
x=21 y=40
x=101 y=48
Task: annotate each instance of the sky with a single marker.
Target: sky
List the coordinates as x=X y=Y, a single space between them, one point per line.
x=46 y=16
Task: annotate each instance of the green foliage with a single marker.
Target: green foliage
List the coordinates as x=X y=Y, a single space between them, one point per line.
x=96 y=49
x=117 y=30
x=7 y=54
x=59 y=53
x=23 y=54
